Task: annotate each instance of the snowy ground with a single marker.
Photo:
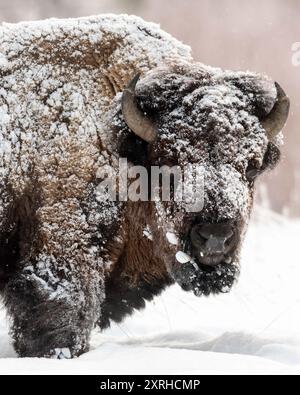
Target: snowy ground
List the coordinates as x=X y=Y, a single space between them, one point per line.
x=254 y=329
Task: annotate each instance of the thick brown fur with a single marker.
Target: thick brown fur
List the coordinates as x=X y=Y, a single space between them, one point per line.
x=69 y=258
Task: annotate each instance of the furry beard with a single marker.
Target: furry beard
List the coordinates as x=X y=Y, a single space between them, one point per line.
x=204 y=280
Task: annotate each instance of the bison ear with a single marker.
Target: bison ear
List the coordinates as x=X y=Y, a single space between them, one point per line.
x=260 y=90
x=271 y=157
x=270 y=102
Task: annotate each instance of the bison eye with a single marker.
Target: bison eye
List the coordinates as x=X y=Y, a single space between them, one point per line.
x=253 y=170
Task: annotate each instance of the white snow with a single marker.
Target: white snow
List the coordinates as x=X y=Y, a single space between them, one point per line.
x=172 y=238
x=253 y=329
x=3 y=61
x=147 y=233
x=182 y=257
x=62 y=353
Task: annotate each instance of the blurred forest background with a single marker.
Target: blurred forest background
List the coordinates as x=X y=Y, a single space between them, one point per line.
x=232 y=34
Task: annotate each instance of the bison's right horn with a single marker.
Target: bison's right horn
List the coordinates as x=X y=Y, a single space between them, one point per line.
x=275 y=121
x=134 y=117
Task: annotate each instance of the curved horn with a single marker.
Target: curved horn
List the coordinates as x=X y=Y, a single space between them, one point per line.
x=134 y=117
x=275 y=121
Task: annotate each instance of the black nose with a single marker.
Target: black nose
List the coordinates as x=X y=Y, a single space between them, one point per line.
x=212 y=241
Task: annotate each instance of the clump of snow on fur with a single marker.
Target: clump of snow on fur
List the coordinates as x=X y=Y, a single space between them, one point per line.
x=172 y=238
x=61 y=353
x=182 y=257
x=147 y=233
x=3 y=62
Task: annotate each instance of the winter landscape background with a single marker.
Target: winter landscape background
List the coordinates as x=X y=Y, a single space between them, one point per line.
x=256 y=328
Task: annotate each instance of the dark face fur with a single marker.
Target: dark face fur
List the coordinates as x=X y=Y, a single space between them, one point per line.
x=211 y=119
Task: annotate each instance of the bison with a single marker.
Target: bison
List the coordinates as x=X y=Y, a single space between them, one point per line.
x=77 y=95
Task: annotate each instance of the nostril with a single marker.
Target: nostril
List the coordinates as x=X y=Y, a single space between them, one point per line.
x=215 y=244
x=217 y=230
x=197 y=240
x=205 y=235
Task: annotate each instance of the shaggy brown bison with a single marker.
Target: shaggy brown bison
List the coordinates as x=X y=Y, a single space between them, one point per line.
x=71 y=103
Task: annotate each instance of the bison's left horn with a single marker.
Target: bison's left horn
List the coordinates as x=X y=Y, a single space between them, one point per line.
x=275 y=121
x=134 y=117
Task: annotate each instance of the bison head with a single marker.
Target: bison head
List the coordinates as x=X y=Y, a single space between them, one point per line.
x=227 y=123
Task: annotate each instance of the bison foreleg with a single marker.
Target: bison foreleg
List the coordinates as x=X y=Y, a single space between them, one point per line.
x=52 y=320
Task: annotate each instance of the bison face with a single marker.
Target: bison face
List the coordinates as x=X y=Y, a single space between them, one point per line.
x=224 y=122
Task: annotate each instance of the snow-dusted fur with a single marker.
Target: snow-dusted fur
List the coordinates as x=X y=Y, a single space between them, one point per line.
x=69 y=259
